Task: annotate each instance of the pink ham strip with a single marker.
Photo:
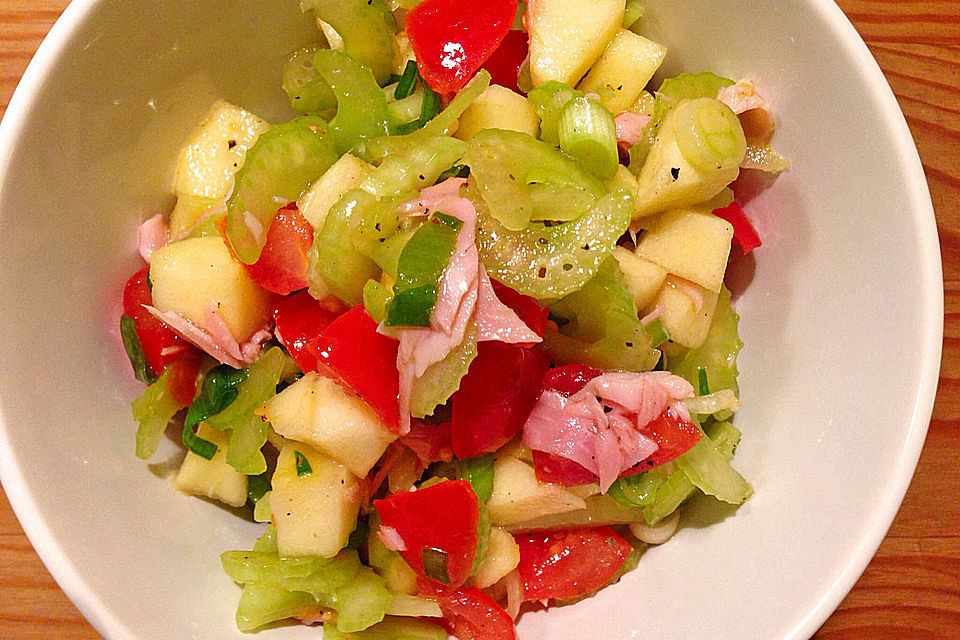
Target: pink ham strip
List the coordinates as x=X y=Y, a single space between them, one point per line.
x=465 y=294
x=227 y=351
x=629 y=125
x=391 y=539
x=598 y=427
x=755 y=114
x=653 y=315
x=151 y=235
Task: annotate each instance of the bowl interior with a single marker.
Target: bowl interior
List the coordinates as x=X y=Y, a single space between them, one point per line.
x=841 y=321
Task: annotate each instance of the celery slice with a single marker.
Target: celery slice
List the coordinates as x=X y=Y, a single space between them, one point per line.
x=249 y=430
x=588 y=134
x=376 y=297
x=442 y=379
x=479 y=473
x=277 y=168
x=261 y=605
x=509 y=166
x=549 y=262
x=362 y=602
x=549 y=100
x=153 y=409
x=690 y=86
x=366 y=27
x=708 y=469
x=387 y=255
x=717 y=356
x=391 y=628
x=362 y=111
x=601 y=328
x=641 y=489
x=307 y=91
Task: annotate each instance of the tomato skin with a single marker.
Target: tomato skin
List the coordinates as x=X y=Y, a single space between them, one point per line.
x=569 y=563
x=743 y=231
x=495 y=397
x=160 y=344
x=553 y=468
x=569 y=379
x=469 y=613
x=300 y=319
x=282 y=265
x=504 y=63
x=443 y=517
x=674 y=437
x=526 y=307
x=453 y=38
x=351 y=350
x=182 y=383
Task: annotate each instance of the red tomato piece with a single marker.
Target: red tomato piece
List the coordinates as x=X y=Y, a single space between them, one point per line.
x=300 y=319
x=350 y=349
x=569 y=379
x=504 y=63
x=182 y=380
x=160 y=344
x=674 y=437
x=526 y=308
x=553 y=468
x=469 y=613
x=569 y=563
x=453 y=38
x=443 y=519
x=429 y=442
x=495 y=397
x=282 y=265
x=743 y=231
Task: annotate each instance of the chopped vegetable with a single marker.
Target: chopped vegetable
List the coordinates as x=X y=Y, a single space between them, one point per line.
x=366 y=28
x=743 y=232
x=588 y=134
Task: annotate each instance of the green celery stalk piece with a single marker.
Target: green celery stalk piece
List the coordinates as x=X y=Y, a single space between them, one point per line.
x=601 y=327
x=588 y=134
x=391 y=628
x=690 y=86
x=376 y=297
x=641 y=489
x=413 y=168
x=307 y=91
x=362 y=111
x=131 y=343
x=276 y=170
x=709 y=470
x=718 y=353
x=378 y=149
x=550 y=262
x=442 y=379
x=268 y=541
x=366 y=27
x=362 y=602
x=549 y=100
x=249 y=430
x=422 y=264
x=483 y=533
x=334 y=264
x=261 y=508
x=153 y=409
x=523 y=179
x=387 y=255
x=260 y=605
x=678 y=486
x=479 y=473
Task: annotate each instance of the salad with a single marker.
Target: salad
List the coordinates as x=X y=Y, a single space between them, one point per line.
x=457 y=332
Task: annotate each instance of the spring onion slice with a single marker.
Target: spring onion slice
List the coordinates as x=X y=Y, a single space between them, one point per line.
x=702 y=379
x=131 y=344
x=408 y=81
x=435 y=565
x=302 y=464
x=587 y=132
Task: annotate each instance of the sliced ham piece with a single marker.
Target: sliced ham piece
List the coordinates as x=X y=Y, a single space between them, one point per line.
x=151 y=235
x=629 y=125
x=755 y=114
x=599 y=426
x=466 y=295
x=216 y=339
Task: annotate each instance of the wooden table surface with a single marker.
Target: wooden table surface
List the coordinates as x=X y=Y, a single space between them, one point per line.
x=911 y=590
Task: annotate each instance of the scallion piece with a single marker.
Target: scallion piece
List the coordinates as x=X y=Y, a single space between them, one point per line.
x=702 y=378
x=302 y=464
x=632 y=13
x=658 y=333
x=435 y=565
x=131 y=343
x=258 y=486
x=431 y=105
x=196 y=444
x=456 y=171
x=479 y=473
x=407 y=82
x=588 y=134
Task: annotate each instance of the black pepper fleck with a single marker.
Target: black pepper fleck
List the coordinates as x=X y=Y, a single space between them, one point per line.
x=675 y=172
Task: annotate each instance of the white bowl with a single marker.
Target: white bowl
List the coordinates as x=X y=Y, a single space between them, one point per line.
x=842 y=321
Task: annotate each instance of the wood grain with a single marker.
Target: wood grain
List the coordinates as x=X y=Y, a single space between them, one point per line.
x=911 y=590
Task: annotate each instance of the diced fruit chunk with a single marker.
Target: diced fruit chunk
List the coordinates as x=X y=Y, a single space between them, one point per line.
x=691 y=244
x=502 y=557
x=344 y=175
x=517 y=496
x=686 y=319
x=195 y=274
x=498 y=108
x=208 y=163
x=212 y=478
x=567 y=36
x=624 y=69
x=312 y=512
x=321 y=413
x=643 y=278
